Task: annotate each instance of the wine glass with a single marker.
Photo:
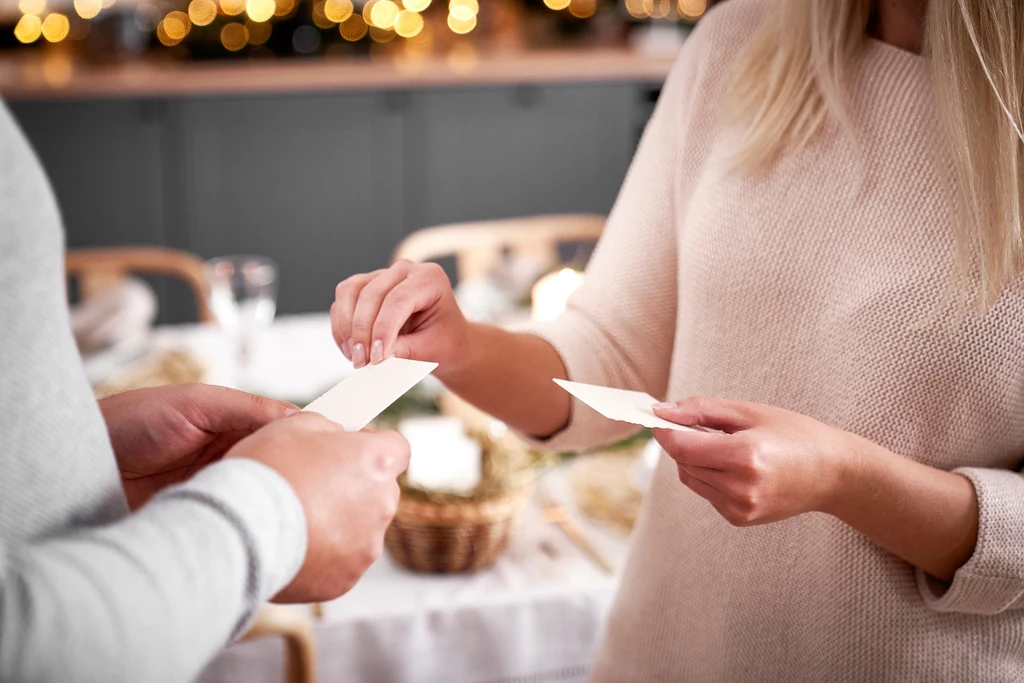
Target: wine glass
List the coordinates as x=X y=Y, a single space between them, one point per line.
x=243 y=297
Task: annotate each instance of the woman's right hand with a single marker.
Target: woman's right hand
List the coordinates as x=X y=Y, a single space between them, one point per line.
x=407 y=310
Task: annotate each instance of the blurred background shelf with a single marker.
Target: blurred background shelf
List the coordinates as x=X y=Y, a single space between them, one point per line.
x=328 y=182
x=319 y=145
x=39 y=77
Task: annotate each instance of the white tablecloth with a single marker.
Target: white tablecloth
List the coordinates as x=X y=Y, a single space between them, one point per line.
x=294 y=359
x=534 y=617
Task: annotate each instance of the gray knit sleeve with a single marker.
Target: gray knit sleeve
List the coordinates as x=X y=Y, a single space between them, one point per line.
x=992 y=580
x=154 y=596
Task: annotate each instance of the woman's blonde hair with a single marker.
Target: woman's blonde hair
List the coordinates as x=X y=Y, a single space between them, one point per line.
x=791 y=77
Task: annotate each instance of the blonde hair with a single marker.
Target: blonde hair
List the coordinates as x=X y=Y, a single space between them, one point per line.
x=792 y=75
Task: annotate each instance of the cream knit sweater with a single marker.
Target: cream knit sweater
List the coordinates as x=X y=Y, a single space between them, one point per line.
x=786 y=289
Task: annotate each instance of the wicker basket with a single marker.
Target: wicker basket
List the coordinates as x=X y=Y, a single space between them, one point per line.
x=458 y=536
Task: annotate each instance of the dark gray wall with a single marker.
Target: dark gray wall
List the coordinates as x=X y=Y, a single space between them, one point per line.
x=328 y=184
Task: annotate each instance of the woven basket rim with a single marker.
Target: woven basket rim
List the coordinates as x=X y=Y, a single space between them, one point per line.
x=416 y=511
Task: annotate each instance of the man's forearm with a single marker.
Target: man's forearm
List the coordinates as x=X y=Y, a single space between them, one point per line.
x=154 y=596
x=924 y=515
x=508 y=375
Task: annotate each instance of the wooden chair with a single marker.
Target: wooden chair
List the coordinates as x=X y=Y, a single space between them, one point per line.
x=96 y=269
x=479 y=245
x=297 y=631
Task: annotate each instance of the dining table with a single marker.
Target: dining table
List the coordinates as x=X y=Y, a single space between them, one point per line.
x=535 y=616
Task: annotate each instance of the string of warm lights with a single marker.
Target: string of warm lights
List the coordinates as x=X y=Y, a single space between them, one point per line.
x=382 y=20
x=659 y=9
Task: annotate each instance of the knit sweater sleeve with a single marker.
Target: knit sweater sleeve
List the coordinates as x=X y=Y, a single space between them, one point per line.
x=618 y=329
x=155 y=595
x=992 y=580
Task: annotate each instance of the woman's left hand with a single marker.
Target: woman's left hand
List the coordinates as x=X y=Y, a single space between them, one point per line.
x=763 y=464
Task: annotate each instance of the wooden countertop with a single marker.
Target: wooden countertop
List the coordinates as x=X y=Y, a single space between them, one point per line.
x=57 y=78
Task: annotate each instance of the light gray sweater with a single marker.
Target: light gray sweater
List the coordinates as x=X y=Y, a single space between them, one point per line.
x=89 y=592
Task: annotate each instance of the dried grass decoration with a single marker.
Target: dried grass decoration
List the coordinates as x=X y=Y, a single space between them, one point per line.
x=161 y=368
x=604 y=483
x=444 y=532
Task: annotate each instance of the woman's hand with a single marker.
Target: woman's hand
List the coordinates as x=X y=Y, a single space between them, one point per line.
x=766 y=464
x=763 y=464
x=407 y=310
x=163 y=436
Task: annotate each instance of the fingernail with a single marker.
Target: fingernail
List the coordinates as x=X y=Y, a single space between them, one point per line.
x=664 y=406
x=376 y=351
x=346 y=351
x=358 y=355
x=290 y=411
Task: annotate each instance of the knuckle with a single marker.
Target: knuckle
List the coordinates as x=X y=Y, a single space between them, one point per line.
x=304 y=419
x=434 y=271
x=340 y=318
x=385 y=322
x=747 y=502
x=348 y=286
x=258 y=403
x=379 y=286
x=737 y=516
x=396 y=297
x=751 y=459
x=360 y=328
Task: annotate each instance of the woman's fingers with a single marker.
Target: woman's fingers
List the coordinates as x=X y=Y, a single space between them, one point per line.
x=702 y=488
x=399 y=305
x=215 y=409
x=371 y=312
x=700 y=449
x=346 y=294
x=367 y=306
x=714 y=413
x=716 y=479
x=340 y=336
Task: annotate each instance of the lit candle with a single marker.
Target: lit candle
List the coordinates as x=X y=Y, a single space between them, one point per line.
x=552 y=291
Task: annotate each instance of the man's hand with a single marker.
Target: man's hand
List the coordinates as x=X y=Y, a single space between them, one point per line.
x=163 y=436
x=346 y=484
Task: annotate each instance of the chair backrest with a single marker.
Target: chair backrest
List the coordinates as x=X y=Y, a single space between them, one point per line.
x=297 y=630
x=479 y=245
x=96 y=269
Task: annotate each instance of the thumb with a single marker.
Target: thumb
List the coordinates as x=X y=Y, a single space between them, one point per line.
x=219 y=409
x=420 y=345
x=714 y=413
